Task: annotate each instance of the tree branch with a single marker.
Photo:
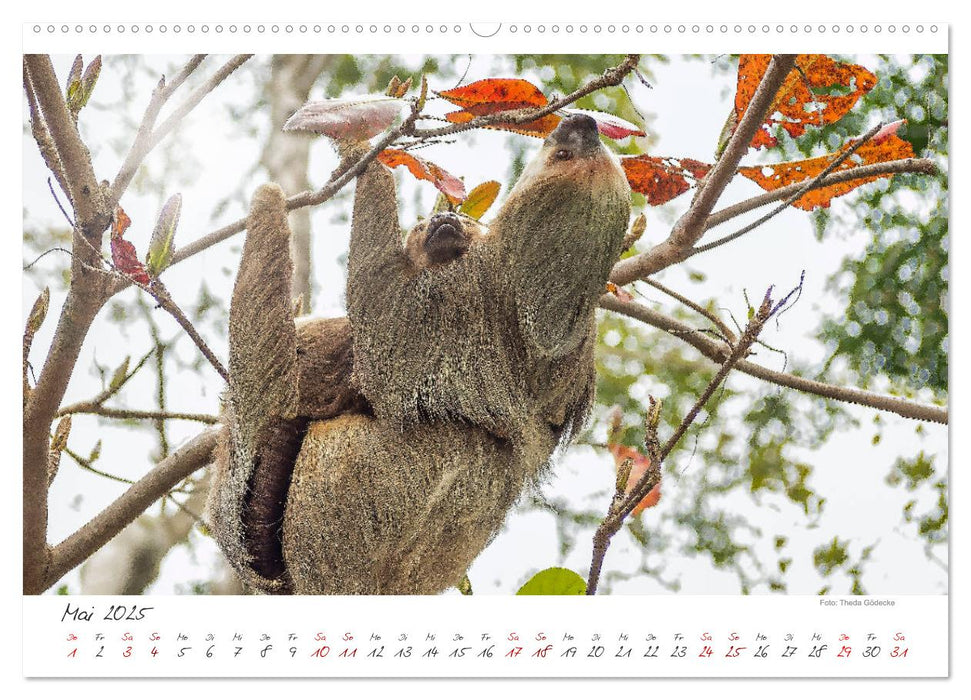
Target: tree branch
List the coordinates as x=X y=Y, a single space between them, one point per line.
x=340 y=178
x=42 y=136
x=924 y=166
x=716 y=352
x=142 y=144
x=82 y=185
x=159 y=481
x=131 y=414
x=690 y=227
x=85 y=297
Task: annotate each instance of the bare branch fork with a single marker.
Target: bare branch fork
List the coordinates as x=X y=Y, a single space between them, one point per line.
x=625 y=500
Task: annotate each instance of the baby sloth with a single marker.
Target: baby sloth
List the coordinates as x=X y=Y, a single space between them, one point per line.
x=472 y=357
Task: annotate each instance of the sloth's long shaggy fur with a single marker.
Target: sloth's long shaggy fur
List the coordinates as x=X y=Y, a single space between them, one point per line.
x=471 y=363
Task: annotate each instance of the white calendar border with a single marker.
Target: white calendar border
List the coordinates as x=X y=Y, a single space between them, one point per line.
x=701 y=9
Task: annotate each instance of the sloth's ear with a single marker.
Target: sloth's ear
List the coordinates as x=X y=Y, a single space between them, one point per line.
x=262 y=337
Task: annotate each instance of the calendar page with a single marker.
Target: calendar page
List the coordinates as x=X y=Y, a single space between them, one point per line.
x=383 y=349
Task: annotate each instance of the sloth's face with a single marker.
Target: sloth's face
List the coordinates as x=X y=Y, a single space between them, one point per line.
x=445 y=238
x=442 y=239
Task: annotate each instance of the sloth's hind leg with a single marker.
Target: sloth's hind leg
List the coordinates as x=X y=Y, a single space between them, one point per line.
x=263 y=434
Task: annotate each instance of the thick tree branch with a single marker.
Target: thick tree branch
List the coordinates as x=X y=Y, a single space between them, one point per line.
x=716 y=352
x=83 y=188
x=85 y=297
x=690 y=227
x=196 y=454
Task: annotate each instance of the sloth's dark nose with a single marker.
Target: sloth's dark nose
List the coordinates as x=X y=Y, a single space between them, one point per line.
x=578 y=122
x=577 y=131
x=444 y=219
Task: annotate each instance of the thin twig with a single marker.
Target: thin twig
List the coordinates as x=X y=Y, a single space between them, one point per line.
x=86 y=464
x=165 y=301
x=107 y=392
x=924 y=166
x=157 y=290
x=131 y=414
x=619 y=511
x=716 y=352
x=725 y=330
x=142 y=144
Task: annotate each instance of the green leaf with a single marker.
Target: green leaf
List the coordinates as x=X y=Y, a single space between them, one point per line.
x=554 y=581
x=162 y=245
x=119 y=376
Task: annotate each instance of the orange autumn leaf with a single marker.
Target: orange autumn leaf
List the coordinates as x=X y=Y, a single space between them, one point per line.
x=884 y=147
x=540 y=128
x=662 y=179
x=500 y=95
x=447 y=184
x=818 y=92
x=496 y=91
x=639 y=466
x=119 y=223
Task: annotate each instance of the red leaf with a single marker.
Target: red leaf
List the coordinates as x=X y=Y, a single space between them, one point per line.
x=447 y=184
x=496 y=91
x=123 y=253
x=125 y=258
x=661 y=179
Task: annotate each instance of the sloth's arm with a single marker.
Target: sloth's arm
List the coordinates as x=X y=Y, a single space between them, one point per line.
x=376 y=247
x=262 y=337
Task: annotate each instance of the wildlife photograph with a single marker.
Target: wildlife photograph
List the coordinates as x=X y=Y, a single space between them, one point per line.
x=469 y=324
